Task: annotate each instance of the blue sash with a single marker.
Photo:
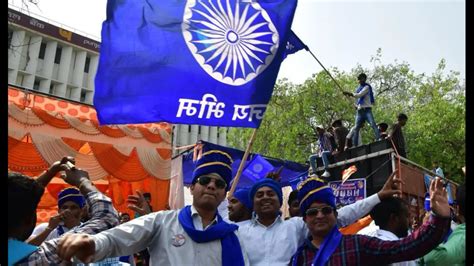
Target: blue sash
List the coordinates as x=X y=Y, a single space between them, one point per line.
x=231 y=250
x=371 y=94
x=329 y=245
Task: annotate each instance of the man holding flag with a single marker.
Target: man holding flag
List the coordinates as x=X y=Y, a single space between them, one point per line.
x=365 y=100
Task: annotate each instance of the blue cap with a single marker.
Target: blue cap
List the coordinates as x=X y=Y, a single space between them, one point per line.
x=315 y=189
x=71 y=194
x=266 y=182
x=242 y=195
x=214 y=161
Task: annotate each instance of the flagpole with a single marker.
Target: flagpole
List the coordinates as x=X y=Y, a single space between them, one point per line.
x=242 y=163
x=325 y=70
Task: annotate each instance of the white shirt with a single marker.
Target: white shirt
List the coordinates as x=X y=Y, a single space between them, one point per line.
x=275 y=244
x=387 y=235
x=52 y=235
x=369 y=230
x=165 y=238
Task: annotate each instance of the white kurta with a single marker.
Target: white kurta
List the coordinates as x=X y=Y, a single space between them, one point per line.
x=165 y=238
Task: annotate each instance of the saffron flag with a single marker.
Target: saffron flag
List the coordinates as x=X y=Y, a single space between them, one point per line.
x=190 y=62
x=348 y=172
x=294 y=44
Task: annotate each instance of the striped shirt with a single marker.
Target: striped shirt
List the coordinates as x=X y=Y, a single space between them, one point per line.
x=365 y=250
x=103 y=217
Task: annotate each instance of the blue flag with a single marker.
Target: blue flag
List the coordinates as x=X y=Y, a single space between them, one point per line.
x=294 y=44
x=290 y=170
x=190 y=62
x=258 y=168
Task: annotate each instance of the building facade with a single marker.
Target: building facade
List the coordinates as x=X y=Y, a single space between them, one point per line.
x=46 y=57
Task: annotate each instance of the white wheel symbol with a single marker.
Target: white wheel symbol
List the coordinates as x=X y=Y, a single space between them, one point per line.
x=232 y=41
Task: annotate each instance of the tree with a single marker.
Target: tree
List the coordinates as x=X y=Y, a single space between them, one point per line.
x=434 y=104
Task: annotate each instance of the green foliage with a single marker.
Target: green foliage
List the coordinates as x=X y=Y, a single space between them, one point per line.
x=435 y=106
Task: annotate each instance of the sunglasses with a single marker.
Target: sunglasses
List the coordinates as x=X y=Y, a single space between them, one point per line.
x=205 y=180
x=324 y=210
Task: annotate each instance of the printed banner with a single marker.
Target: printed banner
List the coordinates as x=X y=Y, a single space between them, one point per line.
x=350 y=191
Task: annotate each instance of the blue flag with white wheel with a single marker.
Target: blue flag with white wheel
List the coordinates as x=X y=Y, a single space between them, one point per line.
x=211 y=62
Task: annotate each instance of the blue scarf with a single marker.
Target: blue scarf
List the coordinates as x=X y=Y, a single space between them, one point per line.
x=231 y=250
x=327 y=248
x=371 y=93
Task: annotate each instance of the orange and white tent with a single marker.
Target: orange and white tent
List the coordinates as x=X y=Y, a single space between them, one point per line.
x=120 y=159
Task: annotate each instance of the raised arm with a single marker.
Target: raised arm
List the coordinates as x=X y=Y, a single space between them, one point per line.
x=103 y=216
x=57 y=166
x=351 y=213
x=420 y=242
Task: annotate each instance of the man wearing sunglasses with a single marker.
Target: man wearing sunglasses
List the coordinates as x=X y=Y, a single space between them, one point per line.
x=194 y=235
x=327 y=246
x=267 y=232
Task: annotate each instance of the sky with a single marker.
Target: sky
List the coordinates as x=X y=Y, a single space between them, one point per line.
x=340 y=33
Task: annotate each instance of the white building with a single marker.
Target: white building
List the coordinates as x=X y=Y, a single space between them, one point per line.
x=46 y=57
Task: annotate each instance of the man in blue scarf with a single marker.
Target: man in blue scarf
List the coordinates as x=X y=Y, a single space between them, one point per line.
x=365 y=99
x=194 y=235
x=327 y=246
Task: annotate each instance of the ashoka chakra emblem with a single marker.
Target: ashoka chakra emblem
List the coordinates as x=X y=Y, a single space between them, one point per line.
x=233 y=41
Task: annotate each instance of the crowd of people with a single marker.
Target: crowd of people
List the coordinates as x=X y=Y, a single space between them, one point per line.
x=338 y=138
x=252 y=232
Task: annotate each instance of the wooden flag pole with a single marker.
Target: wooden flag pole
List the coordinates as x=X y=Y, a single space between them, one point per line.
x=242 y=163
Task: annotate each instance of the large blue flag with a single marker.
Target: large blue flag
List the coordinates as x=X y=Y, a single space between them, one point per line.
x=211 y=62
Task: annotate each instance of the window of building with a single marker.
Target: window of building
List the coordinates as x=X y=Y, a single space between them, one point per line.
x=10 y=37
x=86 y=66
x=68 y=92
x=83 y=96
x=36 y=85
x=42 y=50
x=57 y=57
x=19 y=80
x=51 y=89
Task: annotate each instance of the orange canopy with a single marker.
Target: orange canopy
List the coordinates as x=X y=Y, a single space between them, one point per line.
x=119 y=158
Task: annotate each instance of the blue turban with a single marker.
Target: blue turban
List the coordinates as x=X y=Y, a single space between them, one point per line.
x=71 y=194
x=266 y=182
x=427 y=202
x=214 y=161
x=315 y=189
x=243 y=196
